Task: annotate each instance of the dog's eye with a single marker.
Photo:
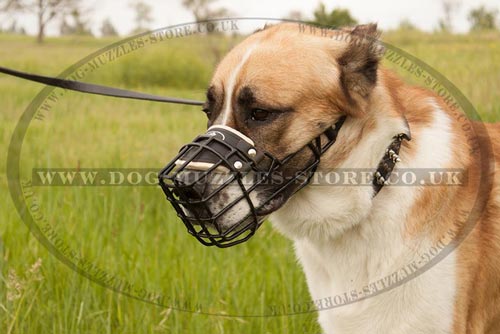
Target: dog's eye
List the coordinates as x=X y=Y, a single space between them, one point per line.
x=259 y=114
x=207 y=112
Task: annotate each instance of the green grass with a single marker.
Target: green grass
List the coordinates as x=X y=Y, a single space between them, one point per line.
x=471 y=62
x=131 y=232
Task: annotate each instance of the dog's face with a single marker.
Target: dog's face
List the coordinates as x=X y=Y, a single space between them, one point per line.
x=282 y=87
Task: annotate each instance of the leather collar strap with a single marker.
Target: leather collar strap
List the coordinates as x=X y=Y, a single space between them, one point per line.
x=96 y=89
x=386 y=165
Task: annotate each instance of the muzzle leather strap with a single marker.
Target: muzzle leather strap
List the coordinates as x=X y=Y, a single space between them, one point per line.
x=222 y=141
x=386 y=165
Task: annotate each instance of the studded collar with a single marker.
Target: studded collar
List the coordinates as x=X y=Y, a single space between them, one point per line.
x=386 y=165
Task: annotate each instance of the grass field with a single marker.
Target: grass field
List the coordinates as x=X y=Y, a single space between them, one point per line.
x=131 y=232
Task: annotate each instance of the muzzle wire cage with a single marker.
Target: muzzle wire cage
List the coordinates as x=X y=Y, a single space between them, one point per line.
x=215 y=178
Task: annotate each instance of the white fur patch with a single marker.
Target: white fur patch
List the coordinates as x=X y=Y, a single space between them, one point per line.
x=346 y=239
x=231 y=83
x=325 y=212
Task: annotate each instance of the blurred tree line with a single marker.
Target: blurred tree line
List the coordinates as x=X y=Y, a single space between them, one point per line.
x=45 y=11
x=73 y=16
x=338 y=17
x=480 y=18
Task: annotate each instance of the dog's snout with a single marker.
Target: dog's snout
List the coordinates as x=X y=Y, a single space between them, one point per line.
x=190 y=194
x=190 y=185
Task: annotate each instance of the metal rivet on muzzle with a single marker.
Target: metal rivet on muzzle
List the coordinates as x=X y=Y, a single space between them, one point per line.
x=252 y=152
x=238 y=164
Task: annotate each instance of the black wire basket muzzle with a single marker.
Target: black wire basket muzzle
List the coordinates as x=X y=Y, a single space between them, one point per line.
x=223 y=187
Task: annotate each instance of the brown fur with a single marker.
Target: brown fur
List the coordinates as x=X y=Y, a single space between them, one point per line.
x=332 y=76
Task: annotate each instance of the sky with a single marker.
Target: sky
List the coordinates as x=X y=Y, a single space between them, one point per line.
x=387 y=13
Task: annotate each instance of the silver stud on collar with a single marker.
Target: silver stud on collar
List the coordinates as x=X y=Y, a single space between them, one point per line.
x=380 y=179
x=394 y=156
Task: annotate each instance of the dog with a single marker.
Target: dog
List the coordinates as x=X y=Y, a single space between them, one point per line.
x=283 y=86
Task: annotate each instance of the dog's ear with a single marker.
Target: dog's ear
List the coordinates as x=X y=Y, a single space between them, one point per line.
x=359 y=62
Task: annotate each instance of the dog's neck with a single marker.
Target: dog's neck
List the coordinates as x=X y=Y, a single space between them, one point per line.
x=324 y=213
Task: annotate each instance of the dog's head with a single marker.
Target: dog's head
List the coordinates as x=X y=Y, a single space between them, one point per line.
x=284 y=85
x=279 y=89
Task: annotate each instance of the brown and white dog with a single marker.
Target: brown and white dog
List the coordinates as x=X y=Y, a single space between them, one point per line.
x=282 y=87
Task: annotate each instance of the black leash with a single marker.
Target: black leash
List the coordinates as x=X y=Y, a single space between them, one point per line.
x=89 y=88
x=381 y=176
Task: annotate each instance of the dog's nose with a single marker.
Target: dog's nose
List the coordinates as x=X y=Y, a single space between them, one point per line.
x=192 y=194
x=191 y=185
